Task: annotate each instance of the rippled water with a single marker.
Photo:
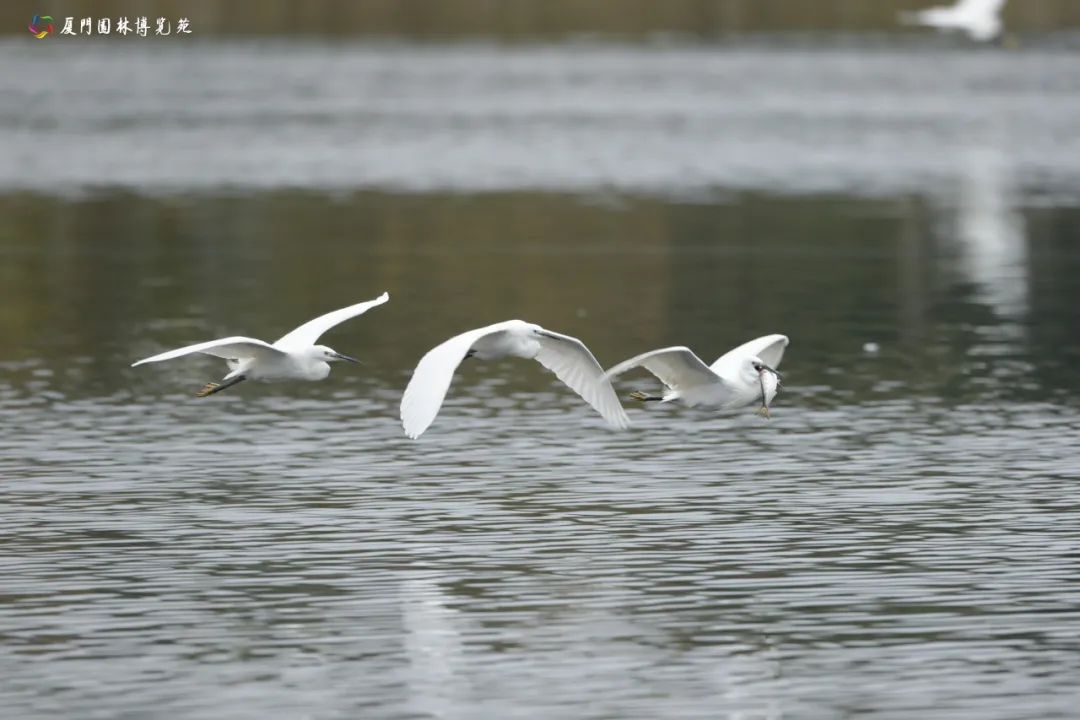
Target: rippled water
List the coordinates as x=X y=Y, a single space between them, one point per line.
x=899 y=541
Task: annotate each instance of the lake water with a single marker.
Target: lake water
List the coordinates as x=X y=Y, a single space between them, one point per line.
x=899 y=541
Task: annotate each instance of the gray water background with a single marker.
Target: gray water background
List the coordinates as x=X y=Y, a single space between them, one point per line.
x=899 y=541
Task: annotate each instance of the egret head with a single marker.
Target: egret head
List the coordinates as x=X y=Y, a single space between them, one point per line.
x=321 y=352
x=758 y=367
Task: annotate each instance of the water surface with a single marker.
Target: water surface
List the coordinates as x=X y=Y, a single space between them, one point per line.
x=899 y=541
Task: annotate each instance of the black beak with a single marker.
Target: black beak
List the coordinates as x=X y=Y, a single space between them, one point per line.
x=346 y=358
x=766 y=367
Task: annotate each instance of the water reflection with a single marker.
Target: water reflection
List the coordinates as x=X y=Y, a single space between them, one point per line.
x=990 y=232
x=438 y=683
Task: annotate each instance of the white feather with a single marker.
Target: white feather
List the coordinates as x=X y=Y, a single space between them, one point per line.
x=308 y=333
x=230 y=348
x=572 y=363
x=431 y=379
x=767 y=348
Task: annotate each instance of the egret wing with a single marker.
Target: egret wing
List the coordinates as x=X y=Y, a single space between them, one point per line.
x=572 y=363
x=308 y=334
x=768 y=348
x=229 y=348
x=677 y=367
x=431 y=379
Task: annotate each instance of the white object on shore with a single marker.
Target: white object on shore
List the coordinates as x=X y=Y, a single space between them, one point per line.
x=980 y=19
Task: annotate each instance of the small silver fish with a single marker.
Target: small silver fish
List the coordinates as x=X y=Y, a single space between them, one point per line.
x=769 y=383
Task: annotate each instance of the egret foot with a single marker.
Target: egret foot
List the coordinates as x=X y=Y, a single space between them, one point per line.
x=638 y=395
x=208 y=389
x=763 y=411
x=212 y=387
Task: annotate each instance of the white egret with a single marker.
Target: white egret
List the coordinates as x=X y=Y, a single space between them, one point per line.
x=740 y=377
x=565 y=356
x=980 y=19
x=293 y=357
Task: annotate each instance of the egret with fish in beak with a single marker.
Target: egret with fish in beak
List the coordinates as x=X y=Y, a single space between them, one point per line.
x=741 y=377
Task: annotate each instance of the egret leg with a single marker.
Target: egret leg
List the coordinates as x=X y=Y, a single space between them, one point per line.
x=213 y=387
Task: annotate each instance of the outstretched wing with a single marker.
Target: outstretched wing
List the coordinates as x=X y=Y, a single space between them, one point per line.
x=572 y=363
x=431 y=379
x=229 y=348
x=307 y=334
x=767 y=348
x=677 y=367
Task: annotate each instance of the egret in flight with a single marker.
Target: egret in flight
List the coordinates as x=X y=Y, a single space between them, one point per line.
x=294 y=357
x=980 y=19
x=740 y=377
x=565 y=356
